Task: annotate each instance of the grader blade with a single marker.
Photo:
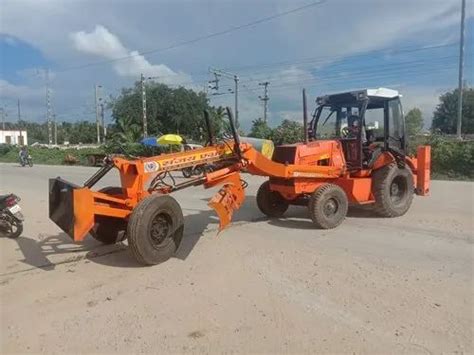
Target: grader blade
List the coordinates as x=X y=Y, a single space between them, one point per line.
x=228 y=199
x=71 y=208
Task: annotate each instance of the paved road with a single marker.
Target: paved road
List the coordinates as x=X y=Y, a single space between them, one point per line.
x=372 y=285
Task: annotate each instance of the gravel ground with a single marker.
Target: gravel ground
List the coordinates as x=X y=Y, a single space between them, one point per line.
x=373 y=285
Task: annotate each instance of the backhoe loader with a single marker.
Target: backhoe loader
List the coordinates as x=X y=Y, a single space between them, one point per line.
x=354 y=153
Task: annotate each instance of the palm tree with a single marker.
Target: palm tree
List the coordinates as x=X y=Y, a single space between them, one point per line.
x=128 y=131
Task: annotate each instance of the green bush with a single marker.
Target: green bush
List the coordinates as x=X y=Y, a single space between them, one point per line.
x=450 y=158
x=48 y=156
x=5 y=148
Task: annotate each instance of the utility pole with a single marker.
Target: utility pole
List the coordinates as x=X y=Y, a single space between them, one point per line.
x=145 y=124
x=102 y=118
x=236 y=90
x=55 y=130
x=265 y=99
x=4 y=114
x=48 y=108
x=219 y=72
x=461 y=68
x=97 y=122
x=214 y=84
x=19 y=122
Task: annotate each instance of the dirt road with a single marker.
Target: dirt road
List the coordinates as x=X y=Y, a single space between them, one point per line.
x=372 y=285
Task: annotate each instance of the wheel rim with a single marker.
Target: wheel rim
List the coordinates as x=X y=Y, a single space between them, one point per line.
x=330 y=207
x=398 y=189
x=161 y=230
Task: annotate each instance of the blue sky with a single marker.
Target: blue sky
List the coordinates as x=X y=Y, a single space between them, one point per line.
x=410 y=45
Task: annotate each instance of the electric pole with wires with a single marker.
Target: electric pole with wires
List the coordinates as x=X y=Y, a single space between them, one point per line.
x=219 y=72
x=461 y=69
x=19 y=124
x=48 y=109
x=4 y=115
x=265 y=99
x=144 y=118
x=97 y=121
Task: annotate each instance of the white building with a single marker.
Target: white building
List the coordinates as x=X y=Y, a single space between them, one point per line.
x=15 y=137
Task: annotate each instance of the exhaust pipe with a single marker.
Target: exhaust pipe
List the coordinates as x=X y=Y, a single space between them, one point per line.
x=305 y=118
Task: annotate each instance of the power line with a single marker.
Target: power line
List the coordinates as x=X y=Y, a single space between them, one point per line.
x=323 y=59
x=363 y=77
x=203 y=37
x=363 y=69
x=314 y=60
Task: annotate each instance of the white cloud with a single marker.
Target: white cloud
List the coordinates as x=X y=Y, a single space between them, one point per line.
x=12 y=91
x=102 y=43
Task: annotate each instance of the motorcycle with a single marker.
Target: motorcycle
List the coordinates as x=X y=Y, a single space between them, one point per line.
x=197 y=170
x=11 y=218
x=26 y=161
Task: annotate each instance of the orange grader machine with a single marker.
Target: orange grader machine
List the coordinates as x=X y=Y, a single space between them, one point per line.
x=354 y=153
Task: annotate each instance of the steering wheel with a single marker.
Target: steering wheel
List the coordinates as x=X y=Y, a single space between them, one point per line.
x=345 y=131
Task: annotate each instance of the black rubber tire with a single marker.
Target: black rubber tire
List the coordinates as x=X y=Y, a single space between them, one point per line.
x=387 y=203
x=142 y=229
x=187 y=172
x=109 y=230
x=198 y=170
x=17 y=232
x=271 y=203
x=328 y=206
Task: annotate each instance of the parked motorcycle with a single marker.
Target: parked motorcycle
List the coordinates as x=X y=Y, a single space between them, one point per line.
x=26 y=161
x=197 y=170
x=11 y=218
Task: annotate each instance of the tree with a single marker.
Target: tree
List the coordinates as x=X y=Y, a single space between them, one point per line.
x=79 y=132
x=169 y=110
x=126 y=130
x=414 y=122
x=445 y=115
x=260 y=129
x=288 y=132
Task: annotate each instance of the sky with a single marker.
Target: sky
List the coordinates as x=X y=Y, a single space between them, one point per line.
x=327 y=47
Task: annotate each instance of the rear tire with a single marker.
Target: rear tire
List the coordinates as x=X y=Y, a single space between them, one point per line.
x=187 y=172
x=393 y=190
x=328 y=206
x=11 y=228
x=270 y=203
x=109 y=230
x=155 y=229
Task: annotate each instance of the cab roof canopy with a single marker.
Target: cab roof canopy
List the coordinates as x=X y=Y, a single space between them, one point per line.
x=379 y=94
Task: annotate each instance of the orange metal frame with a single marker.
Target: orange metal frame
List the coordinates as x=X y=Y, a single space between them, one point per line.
x=303 y=178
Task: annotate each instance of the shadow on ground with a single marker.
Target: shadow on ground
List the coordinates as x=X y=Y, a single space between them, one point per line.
x=42 y=254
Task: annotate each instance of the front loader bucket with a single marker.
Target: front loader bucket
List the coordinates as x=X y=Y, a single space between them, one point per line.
x=71 y=207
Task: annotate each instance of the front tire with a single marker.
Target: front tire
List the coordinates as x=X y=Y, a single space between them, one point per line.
x=269 y=202
x=393 y=190
x=328 y=206
x=155 y=229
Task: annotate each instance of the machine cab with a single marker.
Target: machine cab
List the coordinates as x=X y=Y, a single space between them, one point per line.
x=366 y=122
